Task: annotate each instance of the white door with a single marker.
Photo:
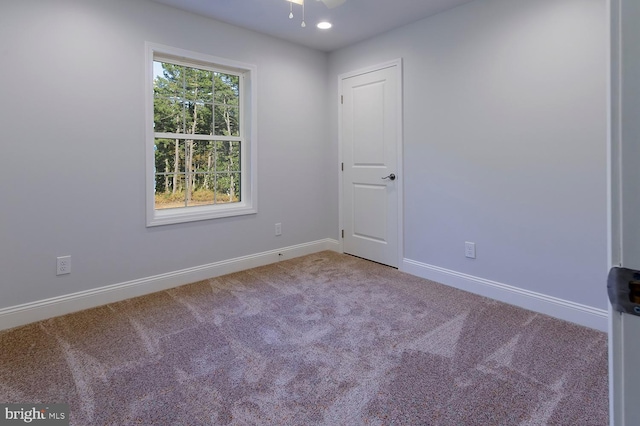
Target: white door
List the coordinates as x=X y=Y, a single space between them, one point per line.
x=370 y=180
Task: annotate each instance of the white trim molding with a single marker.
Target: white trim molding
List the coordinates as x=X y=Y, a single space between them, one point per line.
x=27 y=313
x=563 y=309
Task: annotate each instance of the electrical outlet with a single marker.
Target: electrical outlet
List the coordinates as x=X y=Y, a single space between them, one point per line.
x=64 y=265
x=278 y=229
x=470 y=250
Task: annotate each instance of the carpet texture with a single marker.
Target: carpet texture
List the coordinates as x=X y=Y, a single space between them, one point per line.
x=325 y=339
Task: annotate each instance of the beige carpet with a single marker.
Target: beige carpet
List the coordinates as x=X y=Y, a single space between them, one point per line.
x=325 y=339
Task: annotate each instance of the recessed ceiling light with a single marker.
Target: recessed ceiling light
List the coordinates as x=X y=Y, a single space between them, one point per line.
x=324 y=25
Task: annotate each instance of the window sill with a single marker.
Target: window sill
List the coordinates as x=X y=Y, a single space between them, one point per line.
x=193 y=214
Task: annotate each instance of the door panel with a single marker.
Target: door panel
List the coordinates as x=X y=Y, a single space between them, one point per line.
x=367 y=199
x=370 y=122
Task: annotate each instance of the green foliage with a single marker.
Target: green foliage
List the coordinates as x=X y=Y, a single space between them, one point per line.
x=196 y=101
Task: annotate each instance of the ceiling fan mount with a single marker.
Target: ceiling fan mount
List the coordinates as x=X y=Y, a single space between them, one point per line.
x=329 y=3
x=332 y=3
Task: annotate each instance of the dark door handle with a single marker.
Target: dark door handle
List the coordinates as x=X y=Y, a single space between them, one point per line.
x=391 y=176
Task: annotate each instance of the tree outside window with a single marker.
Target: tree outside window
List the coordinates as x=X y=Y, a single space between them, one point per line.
x=198 y=137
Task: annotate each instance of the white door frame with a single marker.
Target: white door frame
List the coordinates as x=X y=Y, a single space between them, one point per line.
x=397 y=63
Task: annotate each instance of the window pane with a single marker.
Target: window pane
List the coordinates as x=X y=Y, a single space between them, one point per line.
x=169 y=156
x=190 y=113
x=199 y=85
x=170 y=190
x=169 y=173
x=168 y=115
x=227 y=190
x=220 y=155
x=226 y=121
x=203 y=115
x=235 y=180
x=227 y=100
x=203 y=194
x=227 y=89
x=227 y=156
x=168 y=80
x=173 y=111
x=204 y=156
x=234 y=157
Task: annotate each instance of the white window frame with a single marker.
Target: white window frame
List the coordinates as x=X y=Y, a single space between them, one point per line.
x=248 y=132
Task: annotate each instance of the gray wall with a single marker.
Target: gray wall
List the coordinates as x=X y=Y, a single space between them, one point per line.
x=505 y=141
x=72 y=163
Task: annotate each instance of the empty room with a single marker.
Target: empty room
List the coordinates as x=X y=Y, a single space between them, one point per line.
x=219 y=212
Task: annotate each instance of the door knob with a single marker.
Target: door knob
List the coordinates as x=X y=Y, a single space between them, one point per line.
x=391 y=176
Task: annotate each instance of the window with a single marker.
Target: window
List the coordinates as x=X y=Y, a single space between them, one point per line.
x=201 y=144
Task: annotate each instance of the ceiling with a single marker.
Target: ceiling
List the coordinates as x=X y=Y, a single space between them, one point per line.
x=354 y=21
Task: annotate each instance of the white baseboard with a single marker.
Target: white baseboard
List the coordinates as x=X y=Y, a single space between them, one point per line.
x=537 y=302
x=15 y=316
